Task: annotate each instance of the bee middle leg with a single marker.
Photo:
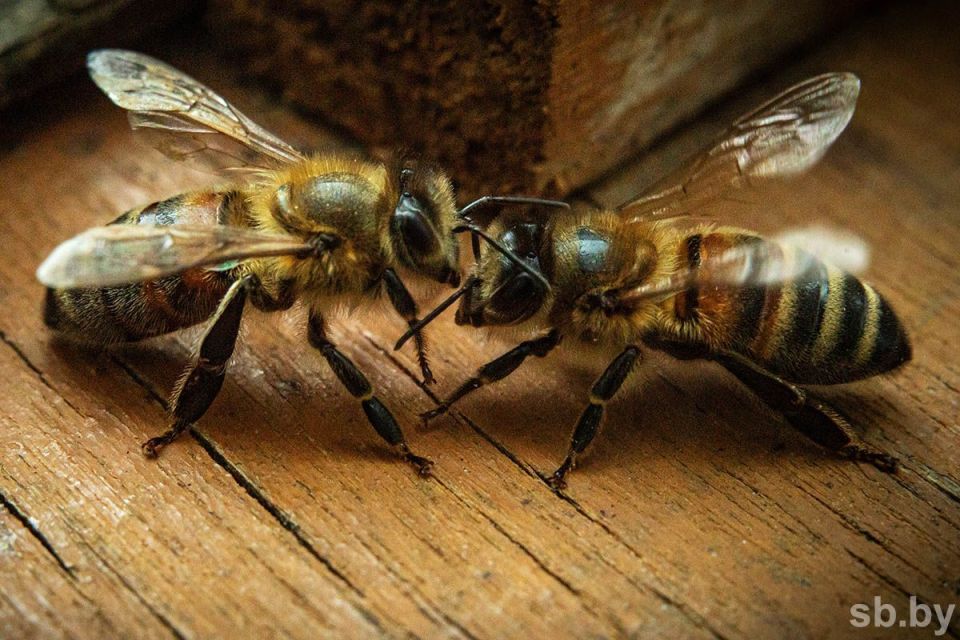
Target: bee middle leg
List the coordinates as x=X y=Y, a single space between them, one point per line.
x=588 y=425
x=810 y=416
x=202 y=381
x=359 y=387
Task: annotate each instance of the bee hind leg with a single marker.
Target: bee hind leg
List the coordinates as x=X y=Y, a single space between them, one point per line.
x=202 y=381
x=812 y=417
x=588 y=425
x=359 y=387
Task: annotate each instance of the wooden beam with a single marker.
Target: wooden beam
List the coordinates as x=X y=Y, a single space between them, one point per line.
x=514 y=96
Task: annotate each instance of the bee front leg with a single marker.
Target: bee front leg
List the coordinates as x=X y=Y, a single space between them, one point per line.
x=813 y=418
x=404 y=304
x=359 y=387
x=201 y=383
x=588 y=425
x=497 y=369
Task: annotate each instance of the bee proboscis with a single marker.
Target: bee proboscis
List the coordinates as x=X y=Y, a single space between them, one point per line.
x=648 y=275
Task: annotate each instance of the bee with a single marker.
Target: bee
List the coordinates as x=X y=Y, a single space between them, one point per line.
x=323 y=229
x=649 y=274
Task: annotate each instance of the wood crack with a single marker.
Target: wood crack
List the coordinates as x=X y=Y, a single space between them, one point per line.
x=428 y=612
x=25 y=520
x=913 y=491
x=942 y=482
x=538 y=561
x=278 y=514
x=162 y=619
x=285 y=520
x=250 y=487
x=810 y=532
x=522 y=547
x=863 y=532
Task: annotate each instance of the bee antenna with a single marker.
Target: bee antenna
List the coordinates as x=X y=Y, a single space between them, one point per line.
x=507 y=253
x=440 y=308
x=484 y=201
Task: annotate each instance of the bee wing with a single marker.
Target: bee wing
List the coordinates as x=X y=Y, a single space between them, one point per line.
x=121 y=254
x=181 y=117
x=783 y=137
x=769 y=261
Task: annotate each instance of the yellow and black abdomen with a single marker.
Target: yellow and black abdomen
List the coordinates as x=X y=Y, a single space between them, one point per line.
x=821 y=326
x=141 y=310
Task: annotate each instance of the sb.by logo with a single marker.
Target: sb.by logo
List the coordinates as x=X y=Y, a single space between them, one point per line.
x=884 y=614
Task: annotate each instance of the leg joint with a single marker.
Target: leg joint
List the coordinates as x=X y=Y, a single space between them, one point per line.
x=614 y=376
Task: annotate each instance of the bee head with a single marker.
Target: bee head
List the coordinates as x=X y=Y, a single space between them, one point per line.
x=505 y=289
x=421 y=226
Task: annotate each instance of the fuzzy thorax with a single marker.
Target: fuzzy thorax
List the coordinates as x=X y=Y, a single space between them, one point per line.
x=638 y=254
x=345 y=198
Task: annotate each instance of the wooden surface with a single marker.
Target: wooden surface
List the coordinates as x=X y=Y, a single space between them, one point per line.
x=514 y=96
x=698 y=514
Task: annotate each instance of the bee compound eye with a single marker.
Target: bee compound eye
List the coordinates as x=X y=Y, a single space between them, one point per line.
x=416 y=233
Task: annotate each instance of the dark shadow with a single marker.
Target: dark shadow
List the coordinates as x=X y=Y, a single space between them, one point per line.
x=670 y=406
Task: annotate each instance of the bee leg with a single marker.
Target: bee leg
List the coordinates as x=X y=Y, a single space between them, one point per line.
x=151 y=448
x=497 y=369
x=407 y=308
x=279 y=300
x=815 y=419
x=588 y=425
x=202 y=381
x=358 y=386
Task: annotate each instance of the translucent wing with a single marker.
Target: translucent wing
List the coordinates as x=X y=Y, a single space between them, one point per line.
x=783 y=137
x=764 y=262
x=181 y=117
x=120 y=254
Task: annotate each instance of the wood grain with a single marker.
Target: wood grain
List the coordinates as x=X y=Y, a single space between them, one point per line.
x=698 y=514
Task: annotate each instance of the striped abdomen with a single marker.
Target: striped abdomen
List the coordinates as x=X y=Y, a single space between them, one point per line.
x=822 y=326
x=145 y=309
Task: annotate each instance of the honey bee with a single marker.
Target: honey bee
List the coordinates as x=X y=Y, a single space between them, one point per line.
x=324 y=229
x=647 y=274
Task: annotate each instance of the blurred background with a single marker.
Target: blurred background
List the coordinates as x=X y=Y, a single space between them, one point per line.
x=509 y=96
